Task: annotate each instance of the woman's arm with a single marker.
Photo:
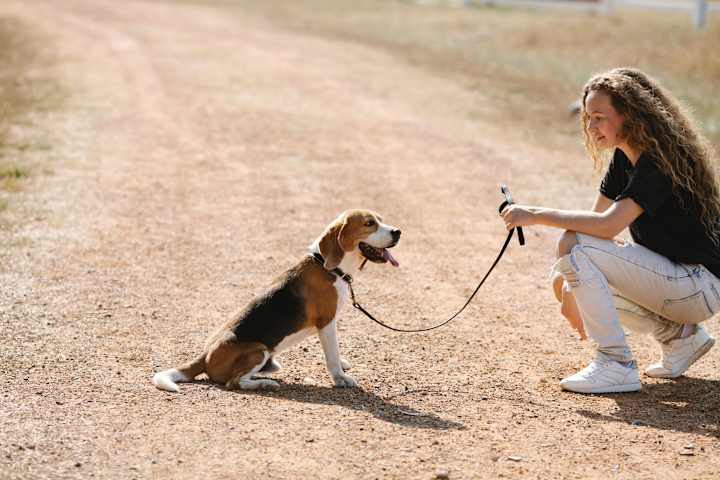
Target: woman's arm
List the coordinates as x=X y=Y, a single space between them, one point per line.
x=604 y=224
x=602 y=203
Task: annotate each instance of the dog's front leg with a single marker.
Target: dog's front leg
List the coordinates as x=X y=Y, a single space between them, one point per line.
x=329 y=342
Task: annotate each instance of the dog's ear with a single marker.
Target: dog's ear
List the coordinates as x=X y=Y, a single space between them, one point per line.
x=346 y=241
x=334 y=244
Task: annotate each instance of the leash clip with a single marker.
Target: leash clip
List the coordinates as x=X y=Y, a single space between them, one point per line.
x=352 y=298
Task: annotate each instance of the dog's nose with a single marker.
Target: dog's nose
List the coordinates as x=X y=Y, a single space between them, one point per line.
x=395 y=234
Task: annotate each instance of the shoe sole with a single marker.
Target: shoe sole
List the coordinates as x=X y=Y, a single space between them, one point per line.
x=696 y=356
x=631 y=387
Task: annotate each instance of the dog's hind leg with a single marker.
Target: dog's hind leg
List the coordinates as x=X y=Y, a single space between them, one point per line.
x=270 y=366
x=246 y=367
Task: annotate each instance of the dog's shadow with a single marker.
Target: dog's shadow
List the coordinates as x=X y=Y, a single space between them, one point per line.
x=689 y=405
x=355 y=399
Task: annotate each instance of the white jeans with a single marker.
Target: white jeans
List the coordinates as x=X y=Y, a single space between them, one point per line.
x=636 y=287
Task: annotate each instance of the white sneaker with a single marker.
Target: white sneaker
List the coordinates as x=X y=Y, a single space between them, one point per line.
x=680 y=353
x=604 y=375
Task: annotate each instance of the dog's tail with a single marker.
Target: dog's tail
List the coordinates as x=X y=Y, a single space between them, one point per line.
x=166 y=380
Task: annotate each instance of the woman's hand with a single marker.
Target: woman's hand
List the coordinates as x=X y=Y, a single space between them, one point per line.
x=517 y=216
x=570 y=311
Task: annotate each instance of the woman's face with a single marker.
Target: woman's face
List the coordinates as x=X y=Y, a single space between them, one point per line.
x=604 y=123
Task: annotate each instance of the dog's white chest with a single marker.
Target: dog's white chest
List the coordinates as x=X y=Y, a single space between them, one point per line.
x=343 y=293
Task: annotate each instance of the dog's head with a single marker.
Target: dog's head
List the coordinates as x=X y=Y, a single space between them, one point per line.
x=360 y=232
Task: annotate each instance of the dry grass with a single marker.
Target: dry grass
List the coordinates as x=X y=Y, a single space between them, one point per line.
x=530 y=64
x=27 y=91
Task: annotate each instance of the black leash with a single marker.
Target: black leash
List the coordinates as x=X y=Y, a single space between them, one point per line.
x=521 y=238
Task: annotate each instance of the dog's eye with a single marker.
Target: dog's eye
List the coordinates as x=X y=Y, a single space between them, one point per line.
x=370 y=223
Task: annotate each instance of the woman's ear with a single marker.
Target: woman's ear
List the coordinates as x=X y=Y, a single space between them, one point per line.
x=331 y=246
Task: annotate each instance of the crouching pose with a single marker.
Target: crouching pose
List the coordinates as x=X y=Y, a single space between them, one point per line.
x=660 y=183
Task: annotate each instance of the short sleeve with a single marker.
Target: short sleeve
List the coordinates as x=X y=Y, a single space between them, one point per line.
x=648 y=186
x=614 y=180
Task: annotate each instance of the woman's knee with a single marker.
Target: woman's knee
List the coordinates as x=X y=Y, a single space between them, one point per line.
x=565 y=243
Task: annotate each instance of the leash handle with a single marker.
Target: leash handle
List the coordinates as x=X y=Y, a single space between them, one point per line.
x=509 y=201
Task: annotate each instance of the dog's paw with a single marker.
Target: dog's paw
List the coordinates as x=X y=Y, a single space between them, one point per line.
x=344 y=381
x=252 y=384
x=267 y=384
x=345 y=364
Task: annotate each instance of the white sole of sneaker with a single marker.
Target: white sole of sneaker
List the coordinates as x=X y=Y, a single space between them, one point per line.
x=631 y=387
x=698 y=354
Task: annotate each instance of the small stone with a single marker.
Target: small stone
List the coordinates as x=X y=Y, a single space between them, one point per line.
x=78 y=464
x=442 y=474
x=515 y=458
x=690 y=446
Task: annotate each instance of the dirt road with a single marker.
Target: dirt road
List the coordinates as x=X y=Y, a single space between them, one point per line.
x=201 y=149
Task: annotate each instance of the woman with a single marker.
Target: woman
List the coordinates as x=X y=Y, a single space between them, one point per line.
x=660 y=183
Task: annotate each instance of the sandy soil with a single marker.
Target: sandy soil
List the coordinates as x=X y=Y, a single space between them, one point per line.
x=200 y=151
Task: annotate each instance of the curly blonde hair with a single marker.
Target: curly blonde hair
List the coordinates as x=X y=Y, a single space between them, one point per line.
x=654 y=122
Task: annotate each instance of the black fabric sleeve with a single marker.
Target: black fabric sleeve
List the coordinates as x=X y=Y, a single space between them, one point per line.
x=612 y=183
x=648 y=186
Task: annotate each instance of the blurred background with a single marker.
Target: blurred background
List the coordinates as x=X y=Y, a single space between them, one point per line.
x=532 y=57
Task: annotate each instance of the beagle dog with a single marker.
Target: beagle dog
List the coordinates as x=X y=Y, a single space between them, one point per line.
x=304 y=300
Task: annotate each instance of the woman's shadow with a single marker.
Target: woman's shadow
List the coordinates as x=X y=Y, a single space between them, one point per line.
x=360 y=400
x=689 y=405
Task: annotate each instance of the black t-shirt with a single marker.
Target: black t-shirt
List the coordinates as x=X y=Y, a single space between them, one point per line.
x=666 y=226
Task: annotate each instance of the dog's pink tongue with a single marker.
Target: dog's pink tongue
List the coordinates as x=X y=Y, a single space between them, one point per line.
x=388 y=256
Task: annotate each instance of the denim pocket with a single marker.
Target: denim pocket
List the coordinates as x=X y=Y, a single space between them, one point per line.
x=691 y=309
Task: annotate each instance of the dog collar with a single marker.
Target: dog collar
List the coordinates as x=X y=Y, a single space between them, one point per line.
x=335 y=271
